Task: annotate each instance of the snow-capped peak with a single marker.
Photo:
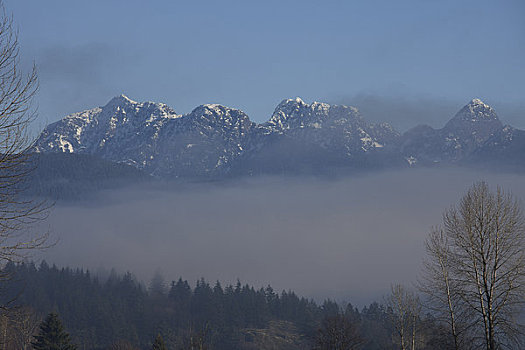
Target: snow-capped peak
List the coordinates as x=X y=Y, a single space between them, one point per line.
x=214 y=108
x=123 y=98
x=478 y=102
x=471 y=126
x=120 y=101
x=212 y=105
x=291 y=102
x=477 y=110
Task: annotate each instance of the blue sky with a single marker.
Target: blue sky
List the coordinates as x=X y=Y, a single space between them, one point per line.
x=394 y=60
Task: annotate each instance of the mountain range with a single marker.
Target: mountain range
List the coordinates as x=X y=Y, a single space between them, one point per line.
x=214 y=141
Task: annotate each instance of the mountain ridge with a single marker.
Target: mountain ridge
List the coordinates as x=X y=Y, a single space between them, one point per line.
x=214 y=140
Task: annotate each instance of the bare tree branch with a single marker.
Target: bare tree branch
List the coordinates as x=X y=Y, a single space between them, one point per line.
x=17 y=212
x=475 y=269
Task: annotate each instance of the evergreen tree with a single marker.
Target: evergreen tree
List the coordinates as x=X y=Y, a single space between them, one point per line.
x=159 y=344
x=157 y=285
x=52 y=335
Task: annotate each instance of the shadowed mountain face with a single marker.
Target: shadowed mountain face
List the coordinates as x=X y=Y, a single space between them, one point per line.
x=214 y=141
x=70 y=176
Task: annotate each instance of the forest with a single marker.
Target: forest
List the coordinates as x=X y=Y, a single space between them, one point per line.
x=119 y=312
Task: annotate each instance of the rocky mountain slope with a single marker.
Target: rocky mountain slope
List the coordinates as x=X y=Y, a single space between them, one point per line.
x=214 y=140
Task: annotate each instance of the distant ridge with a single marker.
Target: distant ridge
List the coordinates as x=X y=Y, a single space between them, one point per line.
x=214 y=141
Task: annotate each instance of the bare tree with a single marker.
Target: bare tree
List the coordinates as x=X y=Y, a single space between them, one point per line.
x=441 y=291
x=197 y=339
x=18 y=326
x=404 y=309
x=475 y=269
x=437 y=282
x=16 y=92
x=338 y=333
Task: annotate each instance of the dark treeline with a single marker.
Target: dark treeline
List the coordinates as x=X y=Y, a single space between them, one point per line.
x=71 y=176
x=98 y=313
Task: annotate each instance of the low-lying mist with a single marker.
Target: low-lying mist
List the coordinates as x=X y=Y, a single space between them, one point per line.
x=345 y=239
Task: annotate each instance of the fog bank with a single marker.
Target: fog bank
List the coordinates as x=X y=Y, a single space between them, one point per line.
x=346 y=239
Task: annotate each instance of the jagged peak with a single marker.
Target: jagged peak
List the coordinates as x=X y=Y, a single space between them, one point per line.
x=476 y=110
x=297 y=103
x=320 y=105
x=123 y=101
x=215 y=112
x=476 y=115
x=120 y=100
x=214 y=107
x=296 y=100
x=291 y=101
x=478 y=102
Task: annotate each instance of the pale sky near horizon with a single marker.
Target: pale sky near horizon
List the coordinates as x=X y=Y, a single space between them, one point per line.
x=406 y=62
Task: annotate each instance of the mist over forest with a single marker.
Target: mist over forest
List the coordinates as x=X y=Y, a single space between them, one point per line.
x=347 y=239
